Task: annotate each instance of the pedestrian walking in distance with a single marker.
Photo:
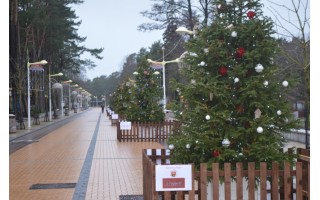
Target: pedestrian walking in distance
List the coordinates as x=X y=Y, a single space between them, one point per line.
x=102 y=107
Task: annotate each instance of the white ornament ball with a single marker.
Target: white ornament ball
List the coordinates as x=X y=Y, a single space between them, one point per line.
x=271 y=60
x=202 y=63
x=193 y=54
x=234 y=34
x=207 y=117
x=171 y=146
x=197 y=141
x=279 y=112
x=188 y=146
x=206 y=50
x=285 y=83
x=259 y=68
x=265 y=83
x=259 y=129
x=236 y=80
x=225 y=142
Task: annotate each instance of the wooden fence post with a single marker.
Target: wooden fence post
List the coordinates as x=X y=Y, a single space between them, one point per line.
x=263 y=181
x=203 y=181
x=239 y=174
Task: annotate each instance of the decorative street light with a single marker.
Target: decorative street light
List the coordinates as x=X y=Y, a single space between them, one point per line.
x=183 y=30
x=41 y=63
x=163 y=63
x=59 y=74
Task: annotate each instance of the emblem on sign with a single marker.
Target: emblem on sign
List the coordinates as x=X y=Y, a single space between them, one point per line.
x=173 y=173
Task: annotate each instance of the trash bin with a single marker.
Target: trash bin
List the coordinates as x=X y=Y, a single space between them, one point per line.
x=12 y=123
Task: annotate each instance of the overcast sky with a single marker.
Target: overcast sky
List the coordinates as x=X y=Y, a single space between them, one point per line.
x=113 y=25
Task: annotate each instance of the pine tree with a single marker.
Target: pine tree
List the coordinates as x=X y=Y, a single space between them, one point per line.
x=232 y=107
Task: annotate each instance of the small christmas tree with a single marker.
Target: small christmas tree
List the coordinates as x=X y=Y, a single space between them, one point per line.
x=138 y=100
x=232 y=107
x=123 y=99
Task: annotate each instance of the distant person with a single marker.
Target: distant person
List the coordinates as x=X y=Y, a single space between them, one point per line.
x=102 y=108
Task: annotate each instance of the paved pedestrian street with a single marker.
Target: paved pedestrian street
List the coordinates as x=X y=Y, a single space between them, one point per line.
x=80 y=160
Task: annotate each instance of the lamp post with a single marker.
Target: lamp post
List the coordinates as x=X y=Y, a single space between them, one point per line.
x=42 y=62
x=59 y=74
x=163 y=63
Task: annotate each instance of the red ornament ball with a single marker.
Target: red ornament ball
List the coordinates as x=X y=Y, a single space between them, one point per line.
x=215 y=153
x=251 y=14
x=223 y=71
x=240 y=52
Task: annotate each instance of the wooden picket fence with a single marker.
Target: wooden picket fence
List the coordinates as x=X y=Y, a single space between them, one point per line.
x=287 y=183
x=147 y=131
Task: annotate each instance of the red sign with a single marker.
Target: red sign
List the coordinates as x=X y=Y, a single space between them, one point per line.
x=173 y=183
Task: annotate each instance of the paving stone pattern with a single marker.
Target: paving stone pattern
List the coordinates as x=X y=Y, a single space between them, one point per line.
x=58 y=159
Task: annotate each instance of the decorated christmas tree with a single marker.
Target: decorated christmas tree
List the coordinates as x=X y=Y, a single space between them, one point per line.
x=138 y=99
x=123 y=99
x=232 y=106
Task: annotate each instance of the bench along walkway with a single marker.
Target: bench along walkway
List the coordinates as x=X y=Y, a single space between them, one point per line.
x=79 y=160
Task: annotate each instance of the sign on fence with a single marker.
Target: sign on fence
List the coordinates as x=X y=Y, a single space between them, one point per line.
x=125 y=125
x=114 y=116
x=173 y=177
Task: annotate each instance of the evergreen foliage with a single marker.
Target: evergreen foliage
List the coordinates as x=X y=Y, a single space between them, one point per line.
x=139 y=100
x=224 y=92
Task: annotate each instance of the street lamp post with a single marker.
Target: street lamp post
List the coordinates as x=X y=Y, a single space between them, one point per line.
x=59 y=74
x=163 y=63
x=42 y=62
